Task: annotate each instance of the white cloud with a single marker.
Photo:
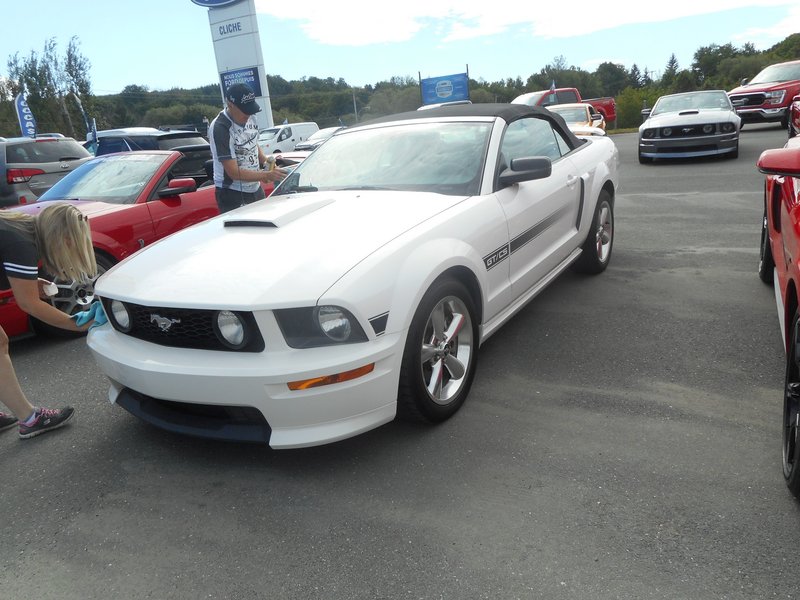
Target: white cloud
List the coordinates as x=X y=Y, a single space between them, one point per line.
x=364 y=23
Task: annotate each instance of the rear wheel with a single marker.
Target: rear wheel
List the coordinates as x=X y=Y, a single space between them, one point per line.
x=440 y=354
x=791 y=412
x=72 y=297
x=599 y=242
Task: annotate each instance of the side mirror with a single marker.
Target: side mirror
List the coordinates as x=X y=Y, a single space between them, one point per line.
x=597 y=117
x=744 y=81
x=784 y=162
x=646 y=113
x=526 y=169
x=176 y=187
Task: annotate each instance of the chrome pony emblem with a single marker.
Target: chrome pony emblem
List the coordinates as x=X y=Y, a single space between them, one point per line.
x=163 y=323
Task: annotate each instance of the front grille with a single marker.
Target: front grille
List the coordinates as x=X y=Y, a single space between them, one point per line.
x=674 y=149
x=184 y=327
x=685 y=131
x=745 y=100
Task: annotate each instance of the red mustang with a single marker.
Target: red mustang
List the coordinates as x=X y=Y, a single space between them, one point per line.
x=132 y=199
x=779 y=264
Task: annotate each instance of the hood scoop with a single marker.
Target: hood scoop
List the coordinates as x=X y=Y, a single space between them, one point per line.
x=692 y=111
x=276 y=214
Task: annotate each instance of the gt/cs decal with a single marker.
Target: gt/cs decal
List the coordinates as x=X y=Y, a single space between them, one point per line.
x=493 y=259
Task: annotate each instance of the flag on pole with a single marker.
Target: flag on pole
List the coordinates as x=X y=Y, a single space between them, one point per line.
x=553 y=86
x=27 y=124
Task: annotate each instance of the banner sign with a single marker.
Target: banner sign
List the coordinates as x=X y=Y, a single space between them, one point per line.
x=27 y=123
x=447 y=88
x=248 y=76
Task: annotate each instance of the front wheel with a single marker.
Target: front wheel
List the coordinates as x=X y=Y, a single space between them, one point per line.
x=766 y=263
x=596 y=250
x=791 y=411
x=440 y=354
x=72 y=297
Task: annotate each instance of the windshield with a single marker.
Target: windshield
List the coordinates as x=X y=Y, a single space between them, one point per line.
x=445 y=158
x=571 y=114
x=117 y=179
x=777 y=73
x=712 y=100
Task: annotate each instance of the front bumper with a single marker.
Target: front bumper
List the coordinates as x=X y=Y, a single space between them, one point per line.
x=761 y=115
x=689 y=146
x=238 y=397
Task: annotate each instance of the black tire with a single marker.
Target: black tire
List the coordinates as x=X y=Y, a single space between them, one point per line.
x=734 y=154
x=791 y=412
x=600 y=240
x=643 y=160
x=785 y=120
x=72 y=298
x=452 y=353
x=766 y=264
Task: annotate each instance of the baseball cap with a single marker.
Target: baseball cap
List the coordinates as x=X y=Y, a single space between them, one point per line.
x=244 y=98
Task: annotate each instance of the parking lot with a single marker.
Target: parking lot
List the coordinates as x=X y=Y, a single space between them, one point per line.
x=622 y=440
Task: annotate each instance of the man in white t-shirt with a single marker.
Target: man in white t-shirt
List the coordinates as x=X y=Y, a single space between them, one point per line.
x=238 y=161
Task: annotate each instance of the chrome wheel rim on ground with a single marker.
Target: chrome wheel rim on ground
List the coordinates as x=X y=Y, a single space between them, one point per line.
x=604 y=233
x=447 y=350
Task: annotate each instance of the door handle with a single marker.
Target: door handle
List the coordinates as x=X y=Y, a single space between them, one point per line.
x=572 y=180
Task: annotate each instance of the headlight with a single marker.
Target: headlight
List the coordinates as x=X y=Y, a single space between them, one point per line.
x=727 y=128
x=666 y=132
x=775 y=97
x=335 y=322
x=648 y=133
x=230 y=329
x=315 y=326
x=120 y=316
x=708 y=128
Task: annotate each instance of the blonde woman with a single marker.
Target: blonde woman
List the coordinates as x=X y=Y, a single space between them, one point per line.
x=58 y=239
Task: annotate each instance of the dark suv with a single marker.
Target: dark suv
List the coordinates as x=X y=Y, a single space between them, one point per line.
x=193 y=145
x=31 y=166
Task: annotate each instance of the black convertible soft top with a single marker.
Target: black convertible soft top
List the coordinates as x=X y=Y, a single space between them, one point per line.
x=507 y=112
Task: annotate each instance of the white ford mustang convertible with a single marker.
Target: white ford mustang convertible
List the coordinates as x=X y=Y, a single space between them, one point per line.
x=364 y=286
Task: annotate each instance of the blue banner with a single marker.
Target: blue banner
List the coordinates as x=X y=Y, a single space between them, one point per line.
x=447 y=88
x=248 y=76
x=27 y=123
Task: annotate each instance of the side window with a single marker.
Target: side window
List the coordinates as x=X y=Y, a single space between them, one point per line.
x=567 y=96
x=285 y=134
x=109 y=145
x=532 y=136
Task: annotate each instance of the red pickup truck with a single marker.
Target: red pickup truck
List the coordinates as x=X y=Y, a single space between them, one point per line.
x=766 y=97
x=605 y=106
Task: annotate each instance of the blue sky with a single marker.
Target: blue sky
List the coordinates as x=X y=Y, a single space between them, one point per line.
x=162 y=44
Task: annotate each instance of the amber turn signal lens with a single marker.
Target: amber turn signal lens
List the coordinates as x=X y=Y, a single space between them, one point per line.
x=329 y=379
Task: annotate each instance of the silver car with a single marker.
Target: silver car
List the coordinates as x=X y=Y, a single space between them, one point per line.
x=690 y=124
x=31 y=166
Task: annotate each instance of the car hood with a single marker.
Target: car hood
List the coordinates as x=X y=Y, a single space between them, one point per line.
x=767 y=86
x=689 y=117
x=88 y=207
x=280 y=252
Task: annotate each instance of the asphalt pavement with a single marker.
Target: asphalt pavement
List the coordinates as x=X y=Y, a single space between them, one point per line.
x=622 y=441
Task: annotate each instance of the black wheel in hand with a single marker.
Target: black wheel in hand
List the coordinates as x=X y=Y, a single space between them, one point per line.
x=440 y=354
x=72 y=297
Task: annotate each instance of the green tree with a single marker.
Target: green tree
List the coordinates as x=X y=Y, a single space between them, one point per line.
x=613 y=78
x=670 y=71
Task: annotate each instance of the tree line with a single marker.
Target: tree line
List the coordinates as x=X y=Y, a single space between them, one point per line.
x=58 y=88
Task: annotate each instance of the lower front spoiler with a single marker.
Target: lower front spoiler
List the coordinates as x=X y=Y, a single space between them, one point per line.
x=218 y=422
